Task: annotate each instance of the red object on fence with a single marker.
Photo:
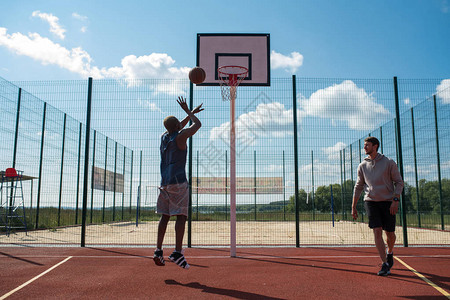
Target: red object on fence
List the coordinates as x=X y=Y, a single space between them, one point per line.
x=11 y=172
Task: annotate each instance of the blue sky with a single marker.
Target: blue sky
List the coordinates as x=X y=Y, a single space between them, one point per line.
x=45 y=40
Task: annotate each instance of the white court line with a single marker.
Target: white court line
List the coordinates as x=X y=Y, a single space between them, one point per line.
x=228 y=256
x=34 y=278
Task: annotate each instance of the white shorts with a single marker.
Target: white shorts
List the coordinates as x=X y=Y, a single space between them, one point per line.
x=173 y=199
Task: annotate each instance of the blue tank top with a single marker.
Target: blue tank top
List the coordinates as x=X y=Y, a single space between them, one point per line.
x=173 y=160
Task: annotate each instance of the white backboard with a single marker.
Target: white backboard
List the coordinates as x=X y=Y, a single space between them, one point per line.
x=248 y=50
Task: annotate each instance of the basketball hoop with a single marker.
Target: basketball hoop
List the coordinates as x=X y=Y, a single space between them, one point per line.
x=230 y=78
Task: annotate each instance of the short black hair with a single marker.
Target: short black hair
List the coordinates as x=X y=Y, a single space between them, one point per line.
x=171 y=124
x=373 y=140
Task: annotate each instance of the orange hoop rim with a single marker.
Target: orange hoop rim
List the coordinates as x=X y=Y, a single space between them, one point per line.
x=222 y=71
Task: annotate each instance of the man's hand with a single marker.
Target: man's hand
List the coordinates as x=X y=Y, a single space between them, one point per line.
x=394 y=207
x=198 y=109
x=354 y=213
x=182 y=102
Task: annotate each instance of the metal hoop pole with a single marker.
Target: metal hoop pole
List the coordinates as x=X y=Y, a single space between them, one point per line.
x=232 y=173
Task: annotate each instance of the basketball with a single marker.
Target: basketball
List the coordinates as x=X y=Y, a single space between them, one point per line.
x=197 y=75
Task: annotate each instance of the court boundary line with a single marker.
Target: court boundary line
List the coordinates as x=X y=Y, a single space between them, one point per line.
x=128 y=256
x=431 y=283
x=33 y=279
x=202 y=246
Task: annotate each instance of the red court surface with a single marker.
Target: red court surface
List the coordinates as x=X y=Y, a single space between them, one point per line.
x=256 y=273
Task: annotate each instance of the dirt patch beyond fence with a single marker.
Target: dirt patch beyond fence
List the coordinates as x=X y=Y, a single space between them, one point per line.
x=217 y=233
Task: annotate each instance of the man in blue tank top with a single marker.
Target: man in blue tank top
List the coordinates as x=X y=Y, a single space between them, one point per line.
x=173 y=199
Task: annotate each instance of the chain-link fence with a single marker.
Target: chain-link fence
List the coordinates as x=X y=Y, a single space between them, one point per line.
x=277 y=203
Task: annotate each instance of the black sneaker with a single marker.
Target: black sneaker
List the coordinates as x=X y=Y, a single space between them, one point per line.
x=384 y=270
x=158 y=258
x=178 y=258
x=390 y=260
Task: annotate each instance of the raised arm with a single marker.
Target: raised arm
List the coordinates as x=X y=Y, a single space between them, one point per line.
x=191 y=130
x=194 y=111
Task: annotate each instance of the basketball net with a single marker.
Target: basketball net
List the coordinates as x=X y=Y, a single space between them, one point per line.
x=230 y=78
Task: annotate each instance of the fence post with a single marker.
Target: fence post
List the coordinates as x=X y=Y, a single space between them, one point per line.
x=400 y=162
x=92 y=174
x=351 y=165
x=344 y=212
x=226 y=185
x=361 y=198
x=104 y=181
x=131 y=181
x=197 y=164
x=415 y=167
x=138 y=202
x=438 y=162
x=191 y=107
x=62 y=169
x=351 y=169
x=40 y=166
x=381 y=139
x=312 y=183
x=86 y=163
x=114 y=183
x=16 y=135
x=342 y=184
x=284 y=189
x=78 y=173
x=254 y=178
x=297 y=204
x=123 y=180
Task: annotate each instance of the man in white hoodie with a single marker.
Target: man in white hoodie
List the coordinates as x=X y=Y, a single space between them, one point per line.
x=382 y=183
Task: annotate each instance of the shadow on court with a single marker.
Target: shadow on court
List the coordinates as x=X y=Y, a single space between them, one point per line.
x=21 y=259
x=220 y=291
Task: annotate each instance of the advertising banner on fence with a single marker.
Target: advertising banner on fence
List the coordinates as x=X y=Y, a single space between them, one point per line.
x=244 y=185
x=99 y=180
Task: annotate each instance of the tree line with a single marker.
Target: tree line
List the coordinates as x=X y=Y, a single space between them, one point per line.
x=426 y=199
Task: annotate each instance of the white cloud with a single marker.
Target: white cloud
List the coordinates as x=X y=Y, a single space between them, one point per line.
x=79 y=17
x=273 y=168
x=348 y=103
x=77 y=60
x=149 y=105
x=343 y=102
x=324 y=173
x=333 y=151
x=267 y=120
x=443 y=91
x=155 y=65
x=52 y=20
x=290 y=63
x=48 y=53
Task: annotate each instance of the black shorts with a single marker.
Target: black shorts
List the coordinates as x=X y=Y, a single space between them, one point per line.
x=379 y=215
